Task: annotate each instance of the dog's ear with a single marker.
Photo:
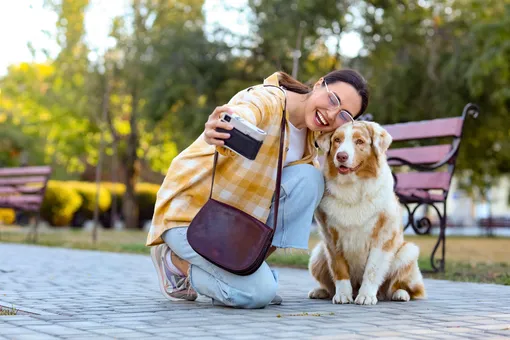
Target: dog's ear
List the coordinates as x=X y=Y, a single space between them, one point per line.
x=381 y=139
x=323 y=141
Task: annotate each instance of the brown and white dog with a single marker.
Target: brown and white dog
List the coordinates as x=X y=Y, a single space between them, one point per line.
x=362 y=256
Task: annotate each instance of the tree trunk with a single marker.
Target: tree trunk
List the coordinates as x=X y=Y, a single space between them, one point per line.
x=99 y=166
x=296 y=54
x=114 y=217
x=130 y=204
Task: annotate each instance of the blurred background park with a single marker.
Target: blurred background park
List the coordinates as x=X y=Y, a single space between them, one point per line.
x=112 y=90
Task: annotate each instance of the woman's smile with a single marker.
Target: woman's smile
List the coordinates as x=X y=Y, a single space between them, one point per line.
x=320 y=119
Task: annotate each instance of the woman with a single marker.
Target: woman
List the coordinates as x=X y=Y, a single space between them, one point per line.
x=335 y=99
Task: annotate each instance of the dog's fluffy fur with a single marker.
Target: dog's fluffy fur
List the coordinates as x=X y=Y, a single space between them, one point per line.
x=362 y=256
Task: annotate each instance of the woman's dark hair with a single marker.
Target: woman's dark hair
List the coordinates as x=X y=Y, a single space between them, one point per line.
x=348 y=76
x=356 y=80
x=292 y=84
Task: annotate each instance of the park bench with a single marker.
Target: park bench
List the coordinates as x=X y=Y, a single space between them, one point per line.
x=22 y=189
x=491 y=223
x=423 y=173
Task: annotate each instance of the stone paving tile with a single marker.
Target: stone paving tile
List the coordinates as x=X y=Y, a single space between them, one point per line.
x=10 y=331
x=35 y=336
x=94 y=295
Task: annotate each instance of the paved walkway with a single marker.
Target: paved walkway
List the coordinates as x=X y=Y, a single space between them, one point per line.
x=95 y=295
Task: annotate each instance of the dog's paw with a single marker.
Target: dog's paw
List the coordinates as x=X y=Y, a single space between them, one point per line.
x=401 y=295
x=318 y=293
x=341 y=298
x=366 y=299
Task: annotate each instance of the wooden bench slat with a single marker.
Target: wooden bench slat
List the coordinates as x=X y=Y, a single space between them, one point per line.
x=21 y=189
x=25 y=171
x=420 y=195
x=420 y=155
x=22 y=199
x=423 y=180
x=444 y=127
x=22 y=180
x=30 y=207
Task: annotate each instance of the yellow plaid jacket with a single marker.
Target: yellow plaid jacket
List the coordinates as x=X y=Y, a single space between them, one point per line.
x=242 y=183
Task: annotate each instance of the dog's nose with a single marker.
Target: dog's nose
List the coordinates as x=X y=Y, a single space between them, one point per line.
x=342 y=156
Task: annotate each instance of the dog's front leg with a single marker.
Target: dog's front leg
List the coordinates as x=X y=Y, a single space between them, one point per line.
x=339 y=269
x=376 y=269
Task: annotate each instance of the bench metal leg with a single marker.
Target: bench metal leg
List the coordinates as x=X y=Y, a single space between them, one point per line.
x=32 y=235
x=423 y=227
x=440 y=241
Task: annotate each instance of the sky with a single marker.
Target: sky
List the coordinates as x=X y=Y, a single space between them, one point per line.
x=24 y=21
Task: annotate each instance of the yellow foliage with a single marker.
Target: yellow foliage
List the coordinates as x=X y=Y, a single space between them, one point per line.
x=119 y=188
x=7 y=216
x=114 y=99
x=202 y=100
x=23 y=67
x=7 y=104
x=116 y=189
x=64 y=198
x=87 y=190
x=78 y=79
x=122 y=127
x=44 y=116
x=147 y=188
x=45 y=70
x=60 y=203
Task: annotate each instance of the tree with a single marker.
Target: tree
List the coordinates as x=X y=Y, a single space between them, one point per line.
x=292 y=36
x=428 y=59
x=163 y=73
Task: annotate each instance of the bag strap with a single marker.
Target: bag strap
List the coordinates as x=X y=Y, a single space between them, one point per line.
x=280 y=162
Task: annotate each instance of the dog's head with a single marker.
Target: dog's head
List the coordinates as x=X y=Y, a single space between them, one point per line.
x=355 y=150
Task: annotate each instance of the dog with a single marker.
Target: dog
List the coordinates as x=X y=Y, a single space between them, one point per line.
x=362 y=256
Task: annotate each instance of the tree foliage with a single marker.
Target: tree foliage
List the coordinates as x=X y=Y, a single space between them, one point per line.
x=163 y=75
x=427 y=59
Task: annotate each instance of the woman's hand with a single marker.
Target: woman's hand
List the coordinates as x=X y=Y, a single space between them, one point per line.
x=211 y=136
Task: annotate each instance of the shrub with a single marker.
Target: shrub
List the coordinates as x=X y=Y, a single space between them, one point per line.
x=7 y=216
x=146 y=194
x=60 y=203
x=88 y=191
x=117 y=192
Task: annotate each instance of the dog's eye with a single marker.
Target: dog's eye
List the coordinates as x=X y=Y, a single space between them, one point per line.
x=359 y=142
x=337 y=140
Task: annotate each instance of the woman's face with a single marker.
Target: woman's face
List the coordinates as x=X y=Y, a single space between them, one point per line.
x=324 y=113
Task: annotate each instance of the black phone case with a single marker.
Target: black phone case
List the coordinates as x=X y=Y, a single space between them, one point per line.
x=241 y=143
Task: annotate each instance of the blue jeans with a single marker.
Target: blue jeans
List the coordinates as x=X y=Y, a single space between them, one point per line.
x=301 y=191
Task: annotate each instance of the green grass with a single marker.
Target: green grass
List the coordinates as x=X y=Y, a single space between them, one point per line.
x=108 y=240
x=498 y=273
x=292 y=259
x=472 y=259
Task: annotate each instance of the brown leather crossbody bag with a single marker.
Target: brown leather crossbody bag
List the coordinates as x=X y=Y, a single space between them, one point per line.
x=230 y=238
